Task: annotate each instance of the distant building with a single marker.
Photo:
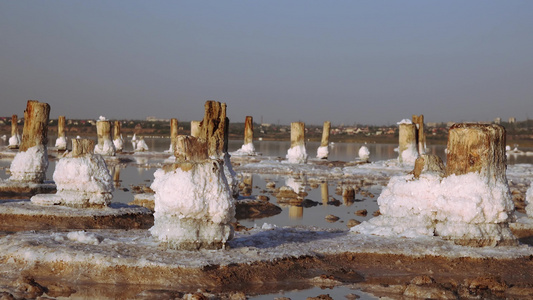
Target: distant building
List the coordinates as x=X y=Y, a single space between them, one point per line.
x=512 y=120
x=497 y=120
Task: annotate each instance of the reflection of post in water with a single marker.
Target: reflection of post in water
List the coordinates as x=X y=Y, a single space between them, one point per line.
x=324 y=192
x=348 y=195
x=247 y=179
x=296 y=211
x=116 y=175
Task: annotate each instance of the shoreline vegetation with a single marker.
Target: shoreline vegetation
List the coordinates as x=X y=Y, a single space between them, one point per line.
x=519 y=134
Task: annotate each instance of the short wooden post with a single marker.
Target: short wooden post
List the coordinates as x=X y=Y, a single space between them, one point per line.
x=407 y=150
x=421 y=134
x=195 y=128
x=105 y=145
x=14 y=141
x=325 y=134
x=428 y=163
x=190 y=148
x=248 y=130
x=61 y=142
x=297 y=134
x=81 y=147
x=117 y=136
x=35 y=131
x=477 y=148
x=173 y=133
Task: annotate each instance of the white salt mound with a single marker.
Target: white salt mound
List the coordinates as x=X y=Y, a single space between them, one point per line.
x=464 y=206
x=61 y=142
x=409 y=155
x=405 y=121
x=297 y=155
x=14 y=140
x=364 y=153
x=30 y=165
x=322 y=152
x=141 y=145
x=246 y=149
x=108 y=148
x=119 y=143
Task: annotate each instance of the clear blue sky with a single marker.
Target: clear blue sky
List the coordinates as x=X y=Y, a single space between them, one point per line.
x=370 y=62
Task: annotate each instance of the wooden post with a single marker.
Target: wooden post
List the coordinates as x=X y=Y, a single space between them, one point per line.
x=190 y=148
x=173 y=133
x=477 y=148
x=421 y=134
x=195 y=128
x=297 y=134
x=61 y=126
x=105 y=144
x=35 y=131
x=248 y=130
x=428 y=163
x=325 y=134
x=14 y=125
x=407 y=143
x=214 y=128
x=116 y=130
x=81 y=147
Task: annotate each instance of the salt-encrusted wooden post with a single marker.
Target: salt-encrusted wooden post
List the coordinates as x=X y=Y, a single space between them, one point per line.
x=195 y=128
x=323 y=151
x=408 y=149
x=297 y=153
x=248 y=130
x=173 y=133
x=82 y=147
x=31 y=162
x=421 y=134
x=105 y=145
x=117 y=136
x=61 y=142
x=477 y=152
x=14 y=140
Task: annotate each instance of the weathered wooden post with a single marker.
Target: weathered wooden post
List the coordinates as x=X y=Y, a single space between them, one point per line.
x=323 y=151
x=195 y=128
x=476 y=152
x=173 y=134
x=408 y=149
x=117 y=136
x=248 y=146
x=14 y=140
x=105 y=145
x=421 y=134
x=31 y=161
x=82 y=179
x=193 y=201
x=297 y=153
x=61 y=141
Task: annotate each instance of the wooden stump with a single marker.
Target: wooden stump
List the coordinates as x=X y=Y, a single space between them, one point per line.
x=421 y=135
x=173 y=133
x=195 y=128
x=428 y=163
x=248 y=130
x=325 y=134
x=105 y=143
x=407 y=142
x=189 y=148
x=14 y=125
x=35 y=130
x=297 y=134
x=214 y=128
x=82 y=147
x=61 y=126
x=477 y=148
x=116 y=130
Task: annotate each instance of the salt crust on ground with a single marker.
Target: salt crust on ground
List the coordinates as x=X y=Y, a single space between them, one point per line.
x=30 y=165
x=101 y=248
x=322 y=152
x=26 y=207
x=297 y=155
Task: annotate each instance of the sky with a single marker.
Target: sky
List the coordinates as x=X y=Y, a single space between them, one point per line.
x=350 y=62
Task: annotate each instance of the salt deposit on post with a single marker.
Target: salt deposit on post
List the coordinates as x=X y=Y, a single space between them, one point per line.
x=248 y=146
x=364 y=154
x=193 y=201
x=323 y=151
x=14 y=140
x=61 y=141
x=421 y=134
x=105 y=145
x=297 y=153
x=82 y=179
x=407 y=149
x=470 y=205
x=117 y=137
x=31 y=162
